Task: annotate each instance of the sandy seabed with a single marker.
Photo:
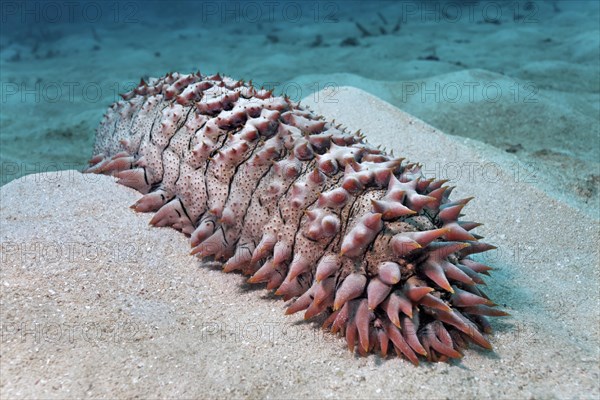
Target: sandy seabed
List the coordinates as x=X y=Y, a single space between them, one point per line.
x=95 y=303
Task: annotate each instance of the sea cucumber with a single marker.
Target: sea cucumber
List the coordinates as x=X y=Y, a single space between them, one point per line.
x=335 y=226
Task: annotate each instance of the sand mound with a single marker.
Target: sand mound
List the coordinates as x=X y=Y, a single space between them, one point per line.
x=96 y=303
x=554 y=134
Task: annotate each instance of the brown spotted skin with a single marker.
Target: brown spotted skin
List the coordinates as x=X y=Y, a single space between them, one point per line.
x=270 y=189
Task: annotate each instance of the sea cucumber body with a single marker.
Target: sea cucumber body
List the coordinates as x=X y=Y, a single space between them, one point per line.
x=270 y=189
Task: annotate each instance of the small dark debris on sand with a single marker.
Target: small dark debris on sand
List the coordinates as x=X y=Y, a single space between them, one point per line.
x=513 y=148
x=349 y=42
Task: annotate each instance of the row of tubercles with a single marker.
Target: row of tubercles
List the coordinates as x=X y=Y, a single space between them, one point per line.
x=386 y=310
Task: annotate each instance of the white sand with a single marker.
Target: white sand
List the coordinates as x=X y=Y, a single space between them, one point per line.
x=95 y=303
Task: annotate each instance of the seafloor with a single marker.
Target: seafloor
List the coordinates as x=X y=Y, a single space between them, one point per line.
x=513 y=85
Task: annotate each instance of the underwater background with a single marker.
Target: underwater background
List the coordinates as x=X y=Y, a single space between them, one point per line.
x=95 y=302
x=523 y=76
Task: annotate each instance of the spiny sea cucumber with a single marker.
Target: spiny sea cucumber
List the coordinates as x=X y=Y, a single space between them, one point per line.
x=272 y=190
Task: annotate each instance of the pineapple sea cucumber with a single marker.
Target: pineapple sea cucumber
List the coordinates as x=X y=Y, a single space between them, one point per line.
x=268 y=188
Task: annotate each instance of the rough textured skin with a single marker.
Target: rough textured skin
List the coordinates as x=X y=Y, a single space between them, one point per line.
x=270 y=189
